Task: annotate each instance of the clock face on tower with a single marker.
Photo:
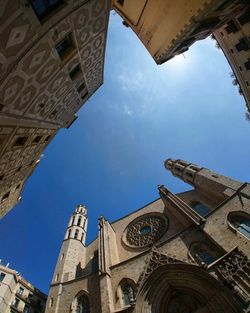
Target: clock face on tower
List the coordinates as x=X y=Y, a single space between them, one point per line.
x=145 y=230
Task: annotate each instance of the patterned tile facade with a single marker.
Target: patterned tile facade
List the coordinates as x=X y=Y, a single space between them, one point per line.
x=41 y=90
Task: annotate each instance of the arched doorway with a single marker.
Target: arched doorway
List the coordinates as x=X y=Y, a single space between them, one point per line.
x=183 y=288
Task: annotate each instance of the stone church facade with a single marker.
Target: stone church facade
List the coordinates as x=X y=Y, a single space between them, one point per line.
x=186 y=252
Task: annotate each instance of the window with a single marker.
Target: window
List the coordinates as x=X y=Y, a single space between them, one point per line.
x=81 y=87
x=20 y=141
x=121 y=2
x=202 y=253
x=5 y=196
x=2 y=275
x=15 y=302
x=231 y=27
x=37 y=139
x=85 y=95
x=128 y=293
x=79 y=221
x=69 y=233
x=1 y=177
x=51 y=302
x=43 y=8
x=57 y=277
x=200 y=208
x=244 y=18
x=247 y=65
x=82 y=304
x=242 y=45
x=26 y=309
x=95 y=263
x=145 y=230
x=241 y=222
x=62 y=256
x=76 y=70
x=47 y=138
x=76 y=234
x=20 y=291
x=64 y=47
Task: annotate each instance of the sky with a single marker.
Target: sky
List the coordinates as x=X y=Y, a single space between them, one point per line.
x=111 y=158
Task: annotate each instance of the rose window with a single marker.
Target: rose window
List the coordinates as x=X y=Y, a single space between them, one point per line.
x=145 y=230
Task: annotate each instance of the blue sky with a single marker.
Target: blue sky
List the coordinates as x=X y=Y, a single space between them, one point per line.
x=111 y=159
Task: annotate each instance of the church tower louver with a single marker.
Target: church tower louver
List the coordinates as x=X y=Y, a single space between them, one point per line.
x=184 y=252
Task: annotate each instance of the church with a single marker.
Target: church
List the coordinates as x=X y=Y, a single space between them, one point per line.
x=182 y=253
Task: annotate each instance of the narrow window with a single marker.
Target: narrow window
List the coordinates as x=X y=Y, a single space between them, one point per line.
x=76 y=234
x=15 y=302
x=62 y=256
x=247 y=83
x=69 y=233
x=231 y=27
x=57 y=277
x=242 y=45
x=2 y=275
x=47 y=138
x=5 y=196
x=81 y=87
x=79 y=221
x=85 y=95
x=83 y=304
x=43 y=8
x=64 y=47
x=37 y=139
x=20 y=141
x=20 y=291
x=95 y=264
x=121 y=2
x=247 y=65
x=26 y=309
x=128 y=293
x=74 y=73
x=51 y=302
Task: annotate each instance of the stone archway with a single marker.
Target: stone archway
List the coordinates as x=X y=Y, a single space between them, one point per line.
x=183 y=288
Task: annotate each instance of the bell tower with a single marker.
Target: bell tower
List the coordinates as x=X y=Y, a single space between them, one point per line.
x=218 y=186
x=71 y=256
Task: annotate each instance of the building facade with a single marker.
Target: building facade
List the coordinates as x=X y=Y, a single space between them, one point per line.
x=168 y=28
x=234 y=40
x=17 y=295
x=51 y=62
x=186 y=252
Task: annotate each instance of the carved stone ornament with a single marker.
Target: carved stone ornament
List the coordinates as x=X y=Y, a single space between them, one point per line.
x=145 y=230
x=155 y=260
x=234 y=270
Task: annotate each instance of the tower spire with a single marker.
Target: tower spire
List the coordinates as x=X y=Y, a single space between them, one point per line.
x=77 y=227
